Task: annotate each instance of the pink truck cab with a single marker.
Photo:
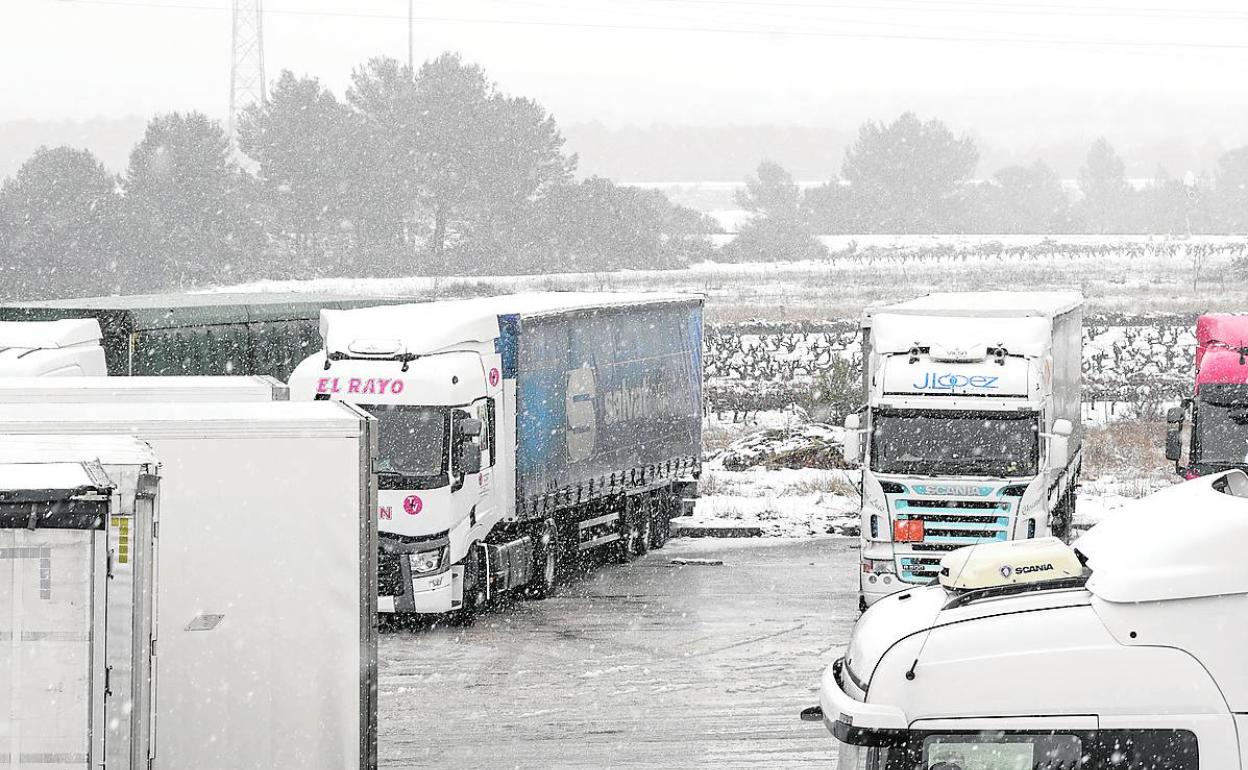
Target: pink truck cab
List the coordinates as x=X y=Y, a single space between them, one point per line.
x=1218 y=407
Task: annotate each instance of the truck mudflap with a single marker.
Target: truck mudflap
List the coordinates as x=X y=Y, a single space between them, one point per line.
x=401 y=587
x=851 y=720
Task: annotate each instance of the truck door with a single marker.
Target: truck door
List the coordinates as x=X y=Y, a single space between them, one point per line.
x=52 y=599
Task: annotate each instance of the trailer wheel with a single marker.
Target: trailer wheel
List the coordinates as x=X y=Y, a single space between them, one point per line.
x=634 y=531
x=661 y=520
x=545 y=560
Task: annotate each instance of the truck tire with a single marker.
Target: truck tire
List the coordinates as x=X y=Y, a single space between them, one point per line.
x=1062 y=516
x=546 y=554
x=474 y=593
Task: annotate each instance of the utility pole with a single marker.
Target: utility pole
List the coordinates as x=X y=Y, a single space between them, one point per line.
x=247 y=82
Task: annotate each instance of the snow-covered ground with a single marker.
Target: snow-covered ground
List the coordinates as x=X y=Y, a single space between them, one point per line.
x=752 y=478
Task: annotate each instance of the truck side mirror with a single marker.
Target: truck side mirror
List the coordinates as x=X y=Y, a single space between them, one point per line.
x=852 y=448
x=1059 y=447
x=469 y=460
x=469 y=427
x=1176 y=414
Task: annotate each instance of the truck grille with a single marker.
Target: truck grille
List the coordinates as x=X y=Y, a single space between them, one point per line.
x=947 y=525
x=390 y=574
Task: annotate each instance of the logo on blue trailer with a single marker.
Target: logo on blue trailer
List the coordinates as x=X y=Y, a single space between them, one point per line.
x=951 y=381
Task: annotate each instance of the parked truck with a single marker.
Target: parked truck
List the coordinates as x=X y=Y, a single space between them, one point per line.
x=1123 y=651
x=1218 y=406
x=971 y=428
x=77 y=558
x=517 y=433
x=183 y=334
x=265 y=643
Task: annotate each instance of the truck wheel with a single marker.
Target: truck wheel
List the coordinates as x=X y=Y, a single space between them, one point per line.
x=545 y=560
x=1062 y=516
x=474 y=591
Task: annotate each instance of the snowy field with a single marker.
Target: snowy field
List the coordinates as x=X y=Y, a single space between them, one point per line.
x=1129 y=274
x=752 y=476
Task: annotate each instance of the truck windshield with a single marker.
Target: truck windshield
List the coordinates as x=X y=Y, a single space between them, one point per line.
x=411 y=440
x=955 y=442
x=1221 y=434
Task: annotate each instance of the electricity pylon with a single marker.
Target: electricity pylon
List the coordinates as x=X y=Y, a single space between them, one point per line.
x=246 y=59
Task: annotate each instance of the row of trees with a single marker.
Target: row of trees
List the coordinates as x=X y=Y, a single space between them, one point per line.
x=433 y=171
x=914 y=176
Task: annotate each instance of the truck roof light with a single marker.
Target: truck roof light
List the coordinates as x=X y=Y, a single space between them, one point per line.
x=1013 y=562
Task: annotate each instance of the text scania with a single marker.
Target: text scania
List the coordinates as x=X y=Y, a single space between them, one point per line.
x=933 y=381
x=1029 y=568
x=359 y=386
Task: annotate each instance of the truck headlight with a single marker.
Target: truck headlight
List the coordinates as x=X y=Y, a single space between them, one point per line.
x=427 y=561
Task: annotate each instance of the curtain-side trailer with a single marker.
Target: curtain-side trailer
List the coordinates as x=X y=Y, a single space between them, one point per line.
x=265 y=652
x=517 y=432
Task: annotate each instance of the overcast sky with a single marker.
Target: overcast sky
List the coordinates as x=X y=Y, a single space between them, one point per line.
x=1014 y=67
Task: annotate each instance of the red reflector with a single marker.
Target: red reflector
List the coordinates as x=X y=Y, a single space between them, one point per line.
x=908 y=531
x=1191 y=474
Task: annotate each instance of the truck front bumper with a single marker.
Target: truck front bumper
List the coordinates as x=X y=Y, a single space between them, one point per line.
x=401 y=589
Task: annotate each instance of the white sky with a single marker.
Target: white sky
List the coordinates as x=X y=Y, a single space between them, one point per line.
x=1014 y=66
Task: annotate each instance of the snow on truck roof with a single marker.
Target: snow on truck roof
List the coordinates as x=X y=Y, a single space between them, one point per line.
x=984 y=304
x=67 y=476
x=43 y=335
x=1180 y=543
x=427 y=327
x=107 y=450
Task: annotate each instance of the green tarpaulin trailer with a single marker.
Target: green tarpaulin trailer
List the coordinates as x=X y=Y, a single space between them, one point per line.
x=201 y=334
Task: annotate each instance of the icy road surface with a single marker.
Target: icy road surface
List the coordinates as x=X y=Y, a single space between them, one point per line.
x=648 y=664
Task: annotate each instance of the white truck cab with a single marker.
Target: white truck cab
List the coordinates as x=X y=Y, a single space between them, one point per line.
x=970 y=430
x=1125 y=650
x=65 y=348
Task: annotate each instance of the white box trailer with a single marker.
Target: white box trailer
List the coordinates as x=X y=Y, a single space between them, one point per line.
x=266 y=638
x=76 y=590
x=47 y=390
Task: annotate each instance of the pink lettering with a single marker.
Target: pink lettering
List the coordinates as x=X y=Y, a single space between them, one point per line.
x=322 y=385
x=383 y=385
x=385 y=512
x=397 y=387
x=370 y=386
x=354 y=385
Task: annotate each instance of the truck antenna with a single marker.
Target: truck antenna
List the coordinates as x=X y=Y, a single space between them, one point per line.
x=910 y=674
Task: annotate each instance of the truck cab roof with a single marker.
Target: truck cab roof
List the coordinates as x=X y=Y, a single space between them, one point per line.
x=984 y=304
